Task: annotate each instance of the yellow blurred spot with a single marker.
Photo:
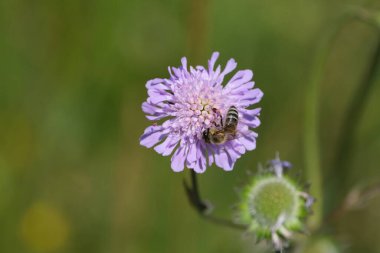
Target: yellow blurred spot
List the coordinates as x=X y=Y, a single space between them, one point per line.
x=44 y=228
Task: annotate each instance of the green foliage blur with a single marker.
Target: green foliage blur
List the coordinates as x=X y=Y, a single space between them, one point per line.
x=73 y=177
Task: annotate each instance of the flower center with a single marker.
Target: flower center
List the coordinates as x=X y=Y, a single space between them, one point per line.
x=199 y=106
x=272 y=198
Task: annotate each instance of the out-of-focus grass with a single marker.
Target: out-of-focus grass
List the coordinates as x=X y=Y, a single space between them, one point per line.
x=72 y=77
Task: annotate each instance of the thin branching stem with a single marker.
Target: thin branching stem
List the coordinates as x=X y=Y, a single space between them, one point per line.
x=311 y=123
x=204 y=208
x=311 y=138
x=353 y=115
x=197 y=25
x=355 y=199
x=354 y=112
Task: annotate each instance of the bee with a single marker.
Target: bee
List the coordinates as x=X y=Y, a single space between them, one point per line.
x=225 y=132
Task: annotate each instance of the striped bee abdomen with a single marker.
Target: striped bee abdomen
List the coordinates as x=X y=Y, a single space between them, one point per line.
x=231 y=119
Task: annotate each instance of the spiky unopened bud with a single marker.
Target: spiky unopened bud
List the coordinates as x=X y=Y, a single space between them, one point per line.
x=273 y=206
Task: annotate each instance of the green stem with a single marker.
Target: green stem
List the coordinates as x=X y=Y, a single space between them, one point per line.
x=197 y=25
x=201 y=206
x=197 y=28
x=311 y=124
x=311 y=138
x=353 y=115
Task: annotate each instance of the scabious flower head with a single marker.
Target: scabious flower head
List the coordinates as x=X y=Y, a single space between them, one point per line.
x=193 y=100
x=273 y=206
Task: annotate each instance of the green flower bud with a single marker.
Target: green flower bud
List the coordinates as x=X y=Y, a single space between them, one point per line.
x=273 y=206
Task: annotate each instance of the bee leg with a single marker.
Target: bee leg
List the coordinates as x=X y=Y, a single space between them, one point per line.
x=205 y=135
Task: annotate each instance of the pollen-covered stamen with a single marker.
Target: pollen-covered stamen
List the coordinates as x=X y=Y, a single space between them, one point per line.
x=197 y=107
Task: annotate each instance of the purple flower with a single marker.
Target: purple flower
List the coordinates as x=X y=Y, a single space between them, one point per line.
x=192 y=101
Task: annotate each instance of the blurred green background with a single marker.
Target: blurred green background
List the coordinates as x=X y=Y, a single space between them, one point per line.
x=73 y=177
